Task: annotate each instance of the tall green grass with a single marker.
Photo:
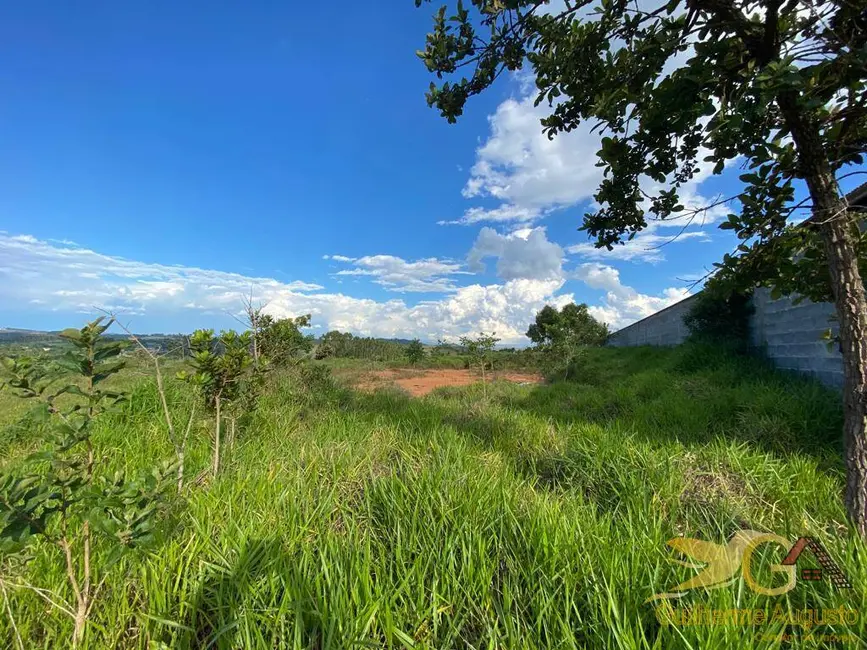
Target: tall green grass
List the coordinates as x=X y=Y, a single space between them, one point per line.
x=535 y=518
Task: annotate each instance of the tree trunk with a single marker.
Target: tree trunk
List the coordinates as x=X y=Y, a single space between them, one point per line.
x=849 y=299
x=836 y=226
x=217 y=437
x=181 y=455
x=80 y=623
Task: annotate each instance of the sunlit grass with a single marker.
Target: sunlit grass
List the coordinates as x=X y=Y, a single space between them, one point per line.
x=535 y=518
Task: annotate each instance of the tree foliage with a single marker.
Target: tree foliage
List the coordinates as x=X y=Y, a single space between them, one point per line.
x=414 y=352
x=561 y=336
x=219 y=364
x=59 y=494
x=281 y=341
x=572 y=324
x=675 y=87
x=345 y=345
x=720 y=316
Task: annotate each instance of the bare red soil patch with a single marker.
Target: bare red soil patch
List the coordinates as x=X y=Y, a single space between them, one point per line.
x=421 y=382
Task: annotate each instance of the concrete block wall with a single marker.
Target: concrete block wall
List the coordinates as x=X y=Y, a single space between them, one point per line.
x=662 y=328
x=791 y=336
x=788 y=334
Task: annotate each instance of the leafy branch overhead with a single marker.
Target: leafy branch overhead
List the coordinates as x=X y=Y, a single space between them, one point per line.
x=672 y=88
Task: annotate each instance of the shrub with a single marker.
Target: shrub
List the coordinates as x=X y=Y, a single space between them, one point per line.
x=573 y=325
x=414 y=352
x=63 y=495
x=720 y=316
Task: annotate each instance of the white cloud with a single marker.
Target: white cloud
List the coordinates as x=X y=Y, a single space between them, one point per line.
x=396 y=274
x=503 y=214
x=644 y=247
x=524 y=253
x=54 y=282
x=623 y=305
x=506 y=309
x=73 y=278
x=530 y=175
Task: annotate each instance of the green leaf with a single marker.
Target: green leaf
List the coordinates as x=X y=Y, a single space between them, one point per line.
x=71 y=334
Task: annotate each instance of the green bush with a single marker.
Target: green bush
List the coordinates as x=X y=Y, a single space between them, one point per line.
x=721 y=317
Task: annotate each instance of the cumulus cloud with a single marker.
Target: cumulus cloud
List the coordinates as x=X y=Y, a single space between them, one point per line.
x=506 y=309
x=36 y=275
x=429 y=275
x=525 y=253
x=529 y=175
x=623 y=305
x=72 y=278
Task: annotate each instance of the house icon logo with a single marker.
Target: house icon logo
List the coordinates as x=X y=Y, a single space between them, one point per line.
x=722 y=564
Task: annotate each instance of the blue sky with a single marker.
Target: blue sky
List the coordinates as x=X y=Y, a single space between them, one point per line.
x=161 y=159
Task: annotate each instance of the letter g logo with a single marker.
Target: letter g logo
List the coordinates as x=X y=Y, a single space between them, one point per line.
x=776 y=568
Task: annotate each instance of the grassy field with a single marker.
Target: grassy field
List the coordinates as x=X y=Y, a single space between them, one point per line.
x=535 y=518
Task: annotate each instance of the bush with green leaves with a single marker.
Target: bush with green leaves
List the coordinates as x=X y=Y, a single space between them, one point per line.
x=280 y=340
x=59 y=495
x=720 y=316
x=225 y=377
x=480 y=350
x=414 y=352
x=561 y=335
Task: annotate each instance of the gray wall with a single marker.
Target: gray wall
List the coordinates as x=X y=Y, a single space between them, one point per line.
x=788 y=334
x=791 y=336
x=662 y=328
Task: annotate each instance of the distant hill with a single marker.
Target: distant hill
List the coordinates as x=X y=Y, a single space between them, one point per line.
x=12 y=335
x=37 y=338
x=17 y=336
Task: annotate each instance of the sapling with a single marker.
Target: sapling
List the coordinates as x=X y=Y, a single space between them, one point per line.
x=414 y=352
x=59 y=494
x=480 y=350
x=220 y=369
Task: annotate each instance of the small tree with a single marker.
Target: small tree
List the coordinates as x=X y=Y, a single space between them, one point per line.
x=281 y=341
x=562 y=335
x=481 y=350
x=720 y=316
x=414 y=352
x=58 y=494
x=220 y=368
x=572 y=322
x=439 y=350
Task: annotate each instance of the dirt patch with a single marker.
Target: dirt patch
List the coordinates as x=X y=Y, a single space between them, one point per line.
x=421 y=382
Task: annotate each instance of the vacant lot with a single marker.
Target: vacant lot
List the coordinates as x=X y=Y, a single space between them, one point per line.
x=422 y=382
x=534 y=516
